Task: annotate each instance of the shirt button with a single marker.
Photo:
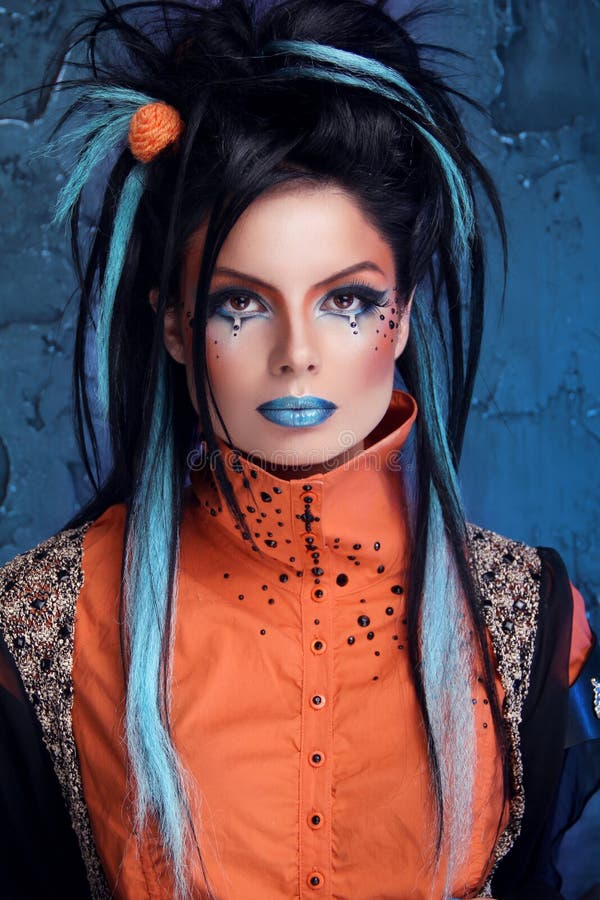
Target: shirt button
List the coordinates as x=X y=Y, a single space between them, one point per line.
x=316 y=759
x=315 y=880
x=318 y=646
x=317 y=701
x=318 y=594
x=315 y=820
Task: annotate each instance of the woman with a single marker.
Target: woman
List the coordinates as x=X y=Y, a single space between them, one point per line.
x=269 y=658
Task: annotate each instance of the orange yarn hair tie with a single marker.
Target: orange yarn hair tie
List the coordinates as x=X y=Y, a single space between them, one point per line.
x=152 y=128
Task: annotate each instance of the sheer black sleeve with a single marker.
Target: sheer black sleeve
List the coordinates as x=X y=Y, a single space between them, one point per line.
x=560 y=740
x=39 y=853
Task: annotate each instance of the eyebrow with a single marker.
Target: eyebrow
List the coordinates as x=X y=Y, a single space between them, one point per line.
x=358 y=267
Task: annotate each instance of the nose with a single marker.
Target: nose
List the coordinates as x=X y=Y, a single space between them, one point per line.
x=295 y=350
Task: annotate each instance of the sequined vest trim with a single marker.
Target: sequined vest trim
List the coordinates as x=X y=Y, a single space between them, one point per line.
x=39 y=591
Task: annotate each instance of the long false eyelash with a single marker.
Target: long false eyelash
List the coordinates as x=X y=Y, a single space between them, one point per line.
x=377 y=298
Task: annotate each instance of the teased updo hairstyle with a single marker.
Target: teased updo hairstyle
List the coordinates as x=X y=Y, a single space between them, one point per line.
x=258 y=113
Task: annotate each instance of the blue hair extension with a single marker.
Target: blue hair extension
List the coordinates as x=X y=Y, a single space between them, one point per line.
x=369 y=72
x=103 y=133
x=447 y=657
x=353 y=62
x=129 y=200
x=159 y=777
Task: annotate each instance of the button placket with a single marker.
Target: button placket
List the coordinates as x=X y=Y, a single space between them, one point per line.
x=315 y=774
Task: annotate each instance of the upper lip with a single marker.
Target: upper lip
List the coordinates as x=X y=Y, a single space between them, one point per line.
x=306 y=402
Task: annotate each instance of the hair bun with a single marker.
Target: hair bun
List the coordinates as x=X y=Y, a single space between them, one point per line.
x=152 y=128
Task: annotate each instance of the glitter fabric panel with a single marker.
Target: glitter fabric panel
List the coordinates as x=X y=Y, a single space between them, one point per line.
x=39 y=591
x=509 y=576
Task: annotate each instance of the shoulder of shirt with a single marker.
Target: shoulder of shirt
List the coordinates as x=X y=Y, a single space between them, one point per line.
x=39 y=589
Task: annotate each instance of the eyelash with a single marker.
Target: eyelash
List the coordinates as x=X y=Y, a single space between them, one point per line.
x=360 y=290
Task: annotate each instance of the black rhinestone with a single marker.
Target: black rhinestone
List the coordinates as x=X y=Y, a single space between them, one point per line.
x=19 y=641
x=9 y=585
x=38 y=603
x=479 y=536
x=283 y=578
x=363 y=621
x=63 y=575
x=488 y=577
x=271 y=543
x=337 y=540
x=254 y=473
x=341 y=580
x=317 y=621
x=508 y=626
x=265 y=497
x=380 y=569
x=278 y=511
x=356 y=546
x=271 y=601
x=536 y=576
x=308 y=499
x=317 y=571
x=41 y=554
x=485 y=724
x=316 y=820
x=316 y=757
x=519 y=605
x=292 y=559
x=240 y=596
x=394 y=637
x=315 y=880
x=225 y=574
x=377 y=653
x=246 y=483
x=377 y=545
x=316 y=700
x=375 y=677
x=485 y=702
x=508 y=558
x=318 y=592
x=318 y=645
x=351 y=558
x=363 y=600
x=397 y=589
x=64 y=631
x=262 y=631
x=351 y=639
x=473 y=701
x=277 y=490
x=310 y=539
x=316 y=555
x=250 y=509
x=389 y=611
x=45 y=664
x=307 y=487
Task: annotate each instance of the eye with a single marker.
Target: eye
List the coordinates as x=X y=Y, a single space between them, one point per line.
x=354 y=300
x=235 y=304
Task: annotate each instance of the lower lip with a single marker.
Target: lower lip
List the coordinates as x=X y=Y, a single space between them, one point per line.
x=297 y=418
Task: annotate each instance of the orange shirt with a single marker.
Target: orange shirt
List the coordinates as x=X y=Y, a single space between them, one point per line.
x=294 y=707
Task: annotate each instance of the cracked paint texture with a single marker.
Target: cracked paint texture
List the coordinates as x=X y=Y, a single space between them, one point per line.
x=530 y=466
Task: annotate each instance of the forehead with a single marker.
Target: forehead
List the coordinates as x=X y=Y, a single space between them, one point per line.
x=296 y=233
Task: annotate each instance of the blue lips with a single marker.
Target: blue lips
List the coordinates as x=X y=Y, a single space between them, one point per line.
x=297 y=412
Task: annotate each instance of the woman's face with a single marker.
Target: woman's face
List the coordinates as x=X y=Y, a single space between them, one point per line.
x=303 y=330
